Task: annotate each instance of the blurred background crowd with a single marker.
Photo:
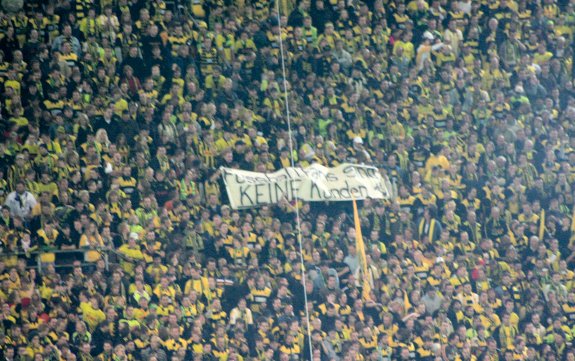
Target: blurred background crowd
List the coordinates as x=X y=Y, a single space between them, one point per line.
x=117 y=241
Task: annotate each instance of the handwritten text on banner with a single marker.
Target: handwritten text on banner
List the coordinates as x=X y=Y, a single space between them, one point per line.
x=315 y=183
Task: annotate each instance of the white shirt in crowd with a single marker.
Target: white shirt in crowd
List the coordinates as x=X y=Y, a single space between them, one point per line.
x=20 y=202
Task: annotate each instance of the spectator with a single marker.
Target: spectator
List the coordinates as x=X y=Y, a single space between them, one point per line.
x=67 y=37
x=20 y=202
x=108 y=122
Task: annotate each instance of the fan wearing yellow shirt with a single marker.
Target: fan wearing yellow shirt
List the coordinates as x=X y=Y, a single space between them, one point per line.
x=239 y=253
x=259 y=295
x=12 y=81
x=221 y=349
x=290 y=347
x=437 y=159
x=35 y=347
x=215 y=314
x=493 y=74
x=226 y=141
x=191 y=307
x=196 y=343
x=165 y=307
x=214 y=81
x=143 y=309
x=131 y=254
x=165 y=289
x=178 y=38
x=550 y=9
x=244 y=47
x=406 y=44
x=47 y=237
x=18 y=120
x=542 y=55
x=394 y=127
x=368 y=340
x=467 y=297
x=91 y=239
x=129 y=318
x=225 y=41
x=506 y=333
x=91 y=312
x=156 y=270
x=329 y=35
x=213 y=291
x=175 y=342
x=196 y=282
x=400 y=17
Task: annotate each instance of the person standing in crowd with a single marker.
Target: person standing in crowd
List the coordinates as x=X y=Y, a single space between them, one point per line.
x=20 y=202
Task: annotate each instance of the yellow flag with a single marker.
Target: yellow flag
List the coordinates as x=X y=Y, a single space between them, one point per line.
x=542 y=225
x=366 y=286
x=572 y=238
x=512 y=237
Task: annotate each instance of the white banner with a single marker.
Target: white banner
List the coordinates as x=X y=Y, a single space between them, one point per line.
x=315 y=183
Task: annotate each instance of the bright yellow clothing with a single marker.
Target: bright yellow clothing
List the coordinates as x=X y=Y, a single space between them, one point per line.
x=93 y=317
x=91 y=242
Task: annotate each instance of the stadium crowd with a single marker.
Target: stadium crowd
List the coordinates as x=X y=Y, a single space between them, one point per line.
x=116 y=116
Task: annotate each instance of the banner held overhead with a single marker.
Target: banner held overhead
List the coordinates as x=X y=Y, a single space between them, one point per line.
x=315 y=183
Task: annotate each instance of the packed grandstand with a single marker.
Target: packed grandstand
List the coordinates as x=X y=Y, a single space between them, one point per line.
x=118 y=241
